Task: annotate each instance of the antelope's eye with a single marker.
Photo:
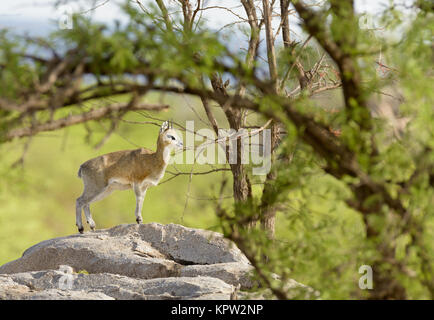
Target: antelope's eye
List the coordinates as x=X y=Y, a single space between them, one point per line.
x=171 y=137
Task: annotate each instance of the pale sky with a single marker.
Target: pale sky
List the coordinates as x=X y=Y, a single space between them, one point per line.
x=39 y=16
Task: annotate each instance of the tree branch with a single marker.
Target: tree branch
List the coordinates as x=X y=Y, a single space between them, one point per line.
x=80 y=118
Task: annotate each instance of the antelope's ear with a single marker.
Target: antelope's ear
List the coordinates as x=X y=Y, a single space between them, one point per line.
x=164 y=126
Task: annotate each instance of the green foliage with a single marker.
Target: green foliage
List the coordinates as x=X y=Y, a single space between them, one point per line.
x=14 y=74
x=326 y=241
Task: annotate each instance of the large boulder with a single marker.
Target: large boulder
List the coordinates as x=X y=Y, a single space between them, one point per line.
x=130 y=261
x=140 y=251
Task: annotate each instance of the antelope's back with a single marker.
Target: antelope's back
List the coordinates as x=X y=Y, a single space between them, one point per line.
x=107 y=160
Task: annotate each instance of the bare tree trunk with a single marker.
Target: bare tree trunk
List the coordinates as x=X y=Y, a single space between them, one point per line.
x=268 y=210
x=241 y=185
x=284 y=6
x=242 y=188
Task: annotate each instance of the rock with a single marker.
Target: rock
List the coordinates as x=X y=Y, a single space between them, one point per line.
x=11 y=290
x=130 y=261
x=190 y=246
x=147 y=261
x=47 y=284
x=234 y=273
x=140 y=251
x=55 y=294
x=113 y=255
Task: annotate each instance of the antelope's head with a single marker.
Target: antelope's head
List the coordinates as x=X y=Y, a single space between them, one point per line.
x=168 y=136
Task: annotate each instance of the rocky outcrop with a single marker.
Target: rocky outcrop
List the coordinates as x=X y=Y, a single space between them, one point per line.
x=130 y=261
x=147 y=261
x=140 y=251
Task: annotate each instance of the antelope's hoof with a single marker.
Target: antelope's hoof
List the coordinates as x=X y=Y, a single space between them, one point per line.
x=81 y=230
x=92 y=225
x=139 y=221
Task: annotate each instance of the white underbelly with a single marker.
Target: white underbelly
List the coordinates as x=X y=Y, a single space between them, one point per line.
x=119 y=184
x=151 y=181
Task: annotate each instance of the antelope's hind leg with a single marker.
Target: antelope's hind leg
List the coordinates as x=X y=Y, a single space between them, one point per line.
x=90 y=194
x=83 y=203
x=78 y=207
x=97 y=195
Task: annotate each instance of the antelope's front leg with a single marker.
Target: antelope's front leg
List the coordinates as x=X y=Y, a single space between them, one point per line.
x=140 y=193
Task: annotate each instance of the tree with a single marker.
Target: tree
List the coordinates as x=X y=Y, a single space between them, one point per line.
x=348 y=154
